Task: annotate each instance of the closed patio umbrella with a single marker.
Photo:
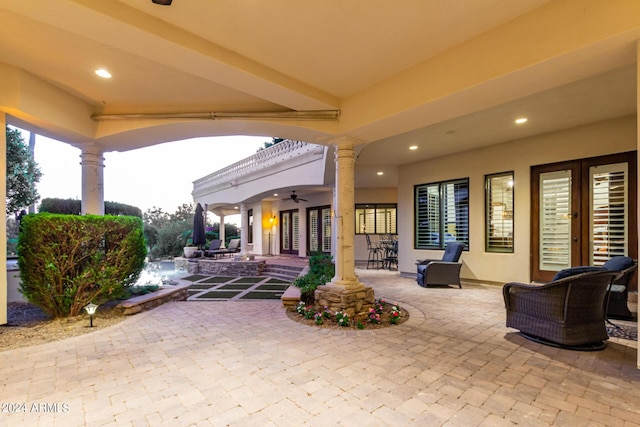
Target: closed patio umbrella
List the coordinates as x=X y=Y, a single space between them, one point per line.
x=198 y=237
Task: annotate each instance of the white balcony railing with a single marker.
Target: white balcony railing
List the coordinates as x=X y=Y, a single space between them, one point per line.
x=276 y=155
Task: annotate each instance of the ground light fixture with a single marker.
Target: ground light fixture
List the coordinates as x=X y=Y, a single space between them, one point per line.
x=91 y=310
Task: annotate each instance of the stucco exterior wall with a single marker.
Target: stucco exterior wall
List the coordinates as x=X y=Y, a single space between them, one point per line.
x=607 y=137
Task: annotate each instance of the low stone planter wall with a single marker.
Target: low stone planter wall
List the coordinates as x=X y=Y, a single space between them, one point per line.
x=226 y=267
x=154 y=299
x=291 y=297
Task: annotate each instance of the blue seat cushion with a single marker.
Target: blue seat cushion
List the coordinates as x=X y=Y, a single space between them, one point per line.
x=618 y=263
x=567 y=272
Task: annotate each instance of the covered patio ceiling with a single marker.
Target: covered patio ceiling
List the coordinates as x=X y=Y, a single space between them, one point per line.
x=446 y=77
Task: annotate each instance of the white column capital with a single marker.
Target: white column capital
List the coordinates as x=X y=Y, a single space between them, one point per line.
x=344 y=142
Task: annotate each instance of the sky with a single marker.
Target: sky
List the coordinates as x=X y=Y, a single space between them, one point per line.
x=160 y=176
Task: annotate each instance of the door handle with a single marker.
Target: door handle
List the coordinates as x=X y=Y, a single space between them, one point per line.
x=575 y=239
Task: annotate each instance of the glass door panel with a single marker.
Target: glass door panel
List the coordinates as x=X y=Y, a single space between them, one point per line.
x=555 y=220
x=609 y=212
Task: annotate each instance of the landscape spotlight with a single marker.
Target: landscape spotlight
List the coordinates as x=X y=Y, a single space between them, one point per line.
x=91 y=309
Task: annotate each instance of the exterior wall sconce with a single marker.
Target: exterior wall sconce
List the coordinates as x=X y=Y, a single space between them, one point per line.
x=91 y=310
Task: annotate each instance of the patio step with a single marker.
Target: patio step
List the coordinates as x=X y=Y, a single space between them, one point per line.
x=284 y=272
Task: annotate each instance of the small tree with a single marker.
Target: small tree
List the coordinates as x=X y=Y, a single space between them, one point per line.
x=273 y=142
x=23 y=173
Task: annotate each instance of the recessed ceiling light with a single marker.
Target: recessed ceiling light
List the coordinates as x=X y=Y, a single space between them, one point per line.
x=275 y=194
x=380 y=173
x=521 y=120
x=101 y=72
x=413 y=147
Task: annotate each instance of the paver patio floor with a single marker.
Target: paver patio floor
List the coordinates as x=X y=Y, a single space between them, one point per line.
x=245 y=363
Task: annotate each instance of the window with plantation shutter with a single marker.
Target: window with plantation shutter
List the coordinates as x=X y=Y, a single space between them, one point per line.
x=608 y=212
x=499 y=212
x=555 y=220
x=376 y=219
x=441 y=214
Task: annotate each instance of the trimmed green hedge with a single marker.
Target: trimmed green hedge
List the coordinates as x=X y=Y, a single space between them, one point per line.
x=68 y=261
x=74 y=207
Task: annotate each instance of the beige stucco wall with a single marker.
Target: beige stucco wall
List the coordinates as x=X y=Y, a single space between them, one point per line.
x=612 y=136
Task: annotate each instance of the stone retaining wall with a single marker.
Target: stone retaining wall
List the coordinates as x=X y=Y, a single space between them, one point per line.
x=226 y=268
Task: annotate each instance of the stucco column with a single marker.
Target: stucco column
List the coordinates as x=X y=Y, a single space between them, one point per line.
x=92 y=180
x=344 y=209
x=3 y=229
x=244 y=229
x=222 y=234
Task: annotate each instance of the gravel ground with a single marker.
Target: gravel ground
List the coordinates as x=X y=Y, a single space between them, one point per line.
x=28 y=325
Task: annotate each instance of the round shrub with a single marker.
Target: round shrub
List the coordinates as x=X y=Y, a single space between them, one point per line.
x=68 y=261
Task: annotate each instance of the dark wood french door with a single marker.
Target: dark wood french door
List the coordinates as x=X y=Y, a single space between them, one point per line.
x=289 y=232
x=583 y=213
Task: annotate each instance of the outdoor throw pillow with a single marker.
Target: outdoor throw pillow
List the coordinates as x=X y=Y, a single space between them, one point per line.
x=567 y=272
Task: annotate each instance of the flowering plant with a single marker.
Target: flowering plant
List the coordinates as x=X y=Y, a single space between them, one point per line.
x=381 y=313
x=394 y=314
x=342 y=318
x=374 y=316
x=378 y=305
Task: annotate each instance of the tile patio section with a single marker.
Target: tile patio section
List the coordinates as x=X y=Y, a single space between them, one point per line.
x=245 y=363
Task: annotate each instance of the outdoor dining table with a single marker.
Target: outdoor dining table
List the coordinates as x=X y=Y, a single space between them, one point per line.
x=390 y=249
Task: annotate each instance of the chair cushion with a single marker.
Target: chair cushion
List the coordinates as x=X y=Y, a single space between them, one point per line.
x=567 y=272
x=618 y=263
x=453 y=251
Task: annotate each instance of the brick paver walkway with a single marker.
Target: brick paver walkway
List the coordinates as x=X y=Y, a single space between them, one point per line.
x=245 y=363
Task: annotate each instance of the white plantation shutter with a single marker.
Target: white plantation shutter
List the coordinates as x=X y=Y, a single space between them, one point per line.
x=326 y=230
x=442 y=214
x=608 y=228
x=313 y=231
x=285 y=231
x=499 y=213
x=295 y=222
x=555 y=220
x=427 y=215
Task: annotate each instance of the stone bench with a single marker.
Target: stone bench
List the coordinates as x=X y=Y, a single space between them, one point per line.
x=153 y=299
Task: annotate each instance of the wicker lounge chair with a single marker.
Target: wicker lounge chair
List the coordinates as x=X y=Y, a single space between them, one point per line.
x=617 y=295
x=445 y=271
x=213 y=247
x=234 y=246
x=565 y=313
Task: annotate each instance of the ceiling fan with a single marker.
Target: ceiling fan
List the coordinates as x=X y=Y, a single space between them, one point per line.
x=295 y=197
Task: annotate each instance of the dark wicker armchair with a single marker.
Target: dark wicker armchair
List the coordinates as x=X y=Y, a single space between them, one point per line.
x=441 y=272
x=565 y=313
x=617 y=296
